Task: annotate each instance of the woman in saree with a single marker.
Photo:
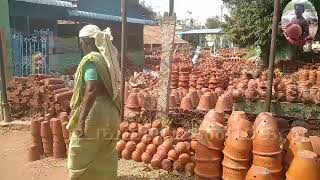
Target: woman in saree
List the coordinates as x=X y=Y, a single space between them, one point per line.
x=95 y=109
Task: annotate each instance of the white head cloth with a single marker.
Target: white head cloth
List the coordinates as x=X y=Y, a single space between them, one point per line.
x=109 y=52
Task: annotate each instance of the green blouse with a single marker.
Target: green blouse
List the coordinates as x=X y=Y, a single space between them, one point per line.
x=91 y=73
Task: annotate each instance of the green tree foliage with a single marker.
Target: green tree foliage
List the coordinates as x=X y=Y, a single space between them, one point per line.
x=250 y=23
x=213 y=22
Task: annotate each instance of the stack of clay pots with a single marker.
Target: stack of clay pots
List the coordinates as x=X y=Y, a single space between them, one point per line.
x=280 y=90
x=202 y=83
x=174 y=79
x=184 y=72
x=238 y=146
x=59 y=146
x=132 y=103
x=193 y=80
x=160 y=147
x=36 y=149
x=257 y=172
x=292 y=93
x=262 y=89
x=209 y=147
x=266 y=145
x=64 y=119
x=251 y=92
x=47 y=138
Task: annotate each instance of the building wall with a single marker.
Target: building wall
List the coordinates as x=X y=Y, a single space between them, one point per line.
x=5 y=24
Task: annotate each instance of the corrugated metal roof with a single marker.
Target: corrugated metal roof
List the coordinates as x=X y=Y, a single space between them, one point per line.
x=50 y=2
x=92 y=15
x=204 y=31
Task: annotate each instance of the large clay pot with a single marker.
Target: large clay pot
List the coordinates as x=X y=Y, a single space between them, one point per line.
x=266 y=142
x=186 y=103
x=208 y=169
x=315 y=140
x=295 y=132
x=258 y=173
x=234 y=169
x=213 y=115
x=224 y=103
x=240 y=125
x=261 y=117
x=298 y=144
x=304 y=166
x=236 y=115
x=238 y=146
x=205 y=153
x=212 y=134
x=273 y=163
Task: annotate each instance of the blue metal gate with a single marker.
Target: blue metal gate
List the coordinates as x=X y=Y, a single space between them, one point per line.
x=30 y=53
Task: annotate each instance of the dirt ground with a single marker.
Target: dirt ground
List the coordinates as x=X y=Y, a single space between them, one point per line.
x=14 y=164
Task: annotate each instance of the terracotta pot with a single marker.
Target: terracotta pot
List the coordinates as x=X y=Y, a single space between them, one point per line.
x=233 y=173
x=46 y=130
x=224 y=104
x=210 y=169
x=141 y=147
x=155 y=163
x=242 y=125
x=262 y=116
x=193 y=94
x=33 y=153
x=142 y=130
x=237 y=94
x=35 y=128
x=135 y=137
x=205 y=102
x=133 y=102
x=173 y=155
x=126 y=136
x=157 y=124
x=189 y=167
x=130 y=146
x=258 y=173
x=172 y=102
x=146 y=157
x=273 y=163
x=176 y=94
x=315 y=140
x=151 y=149
x=186 y=103
x=268 y=124
x=299 y=144
x=295 y=132
x=181 y=147
x=304 y=166
x=212 y=135
x=234 y=164
x=162 y=154
x=158 y=140
x=184 y=158
x=125 y=154
x=236 y=115
x=266 y=142
x=153 y=132
x=277 y=174
x=147 y=139
x=238 y=147
x=136 y=156
x=166 y=164
x=133 y=127
x=178 y=166
x=121 y=144
x=165 y=132
x=124 y=126
x=213 y=115
x=204 y=153
x=148 y=125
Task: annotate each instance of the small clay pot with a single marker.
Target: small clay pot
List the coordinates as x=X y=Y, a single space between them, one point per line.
x=213 y=115
x=135 y=137
x=294 y=133
x=262 y=116
x=166 y=164
x=147 y=139
x=186 y=103
x=33 y=153
x=184 y=158
x=146 y=157
x=178 y=166
x=273 y=163
x=141 y=147
x=266 y=142
x=133 y=127
x=238 y=146
x=148 y=125
x=173 y=155
x=143 y=130
x=299 y=144
x=121 y=144
x=136 y=156
x=167 y=143
x=224 y=103
x=124 y=127
x=151 y=149
x=133 y=102
x=258 y=173
x=157 y=124
x=189 y=167
x=158 y=140
x=165 y=132
x=235 y=116
x=126 y=136
x=204 y=153
x=205 y=103
x=125 y=154
x=130 y=146
x=234 y=173
x=155 y=163
x=315 y=141
x=304 y=166
x=181 y=147
x=241 y=125
x=153 y=132
x=234 y=164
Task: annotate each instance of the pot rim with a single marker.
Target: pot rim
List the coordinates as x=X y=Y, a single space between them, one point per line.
x=233 y=158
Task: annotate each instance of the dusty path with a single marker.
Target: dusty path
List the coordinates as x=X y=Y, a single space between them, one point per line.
x=14 y=164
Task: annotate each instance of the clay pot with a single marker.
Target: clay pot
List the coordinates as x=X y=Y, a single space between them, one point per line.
x=184 y=158
x=173 y=155
x=33 y=153
x=237 y=94
x=35 y=128
x=262 y=116
x=146 y=157
x=151 y=149
x=136 y=156
x=304 y=166
x=234 y=164
x=205 y=102
x=224 y=103
x=133 y=102
x=208 y=169
x=167 y=143
x=193 y=144
x=125 y=154
x=242 y=125
x=298 y=144
x=126 y=136
x=213 y=115
x=189 y=167
x=133 y=127
x=236 y=115
x=166 y=164
x=135 y=137
x=238 y=146
x=212 y=135
x=165 y=132
x=204 y=153
x=46 y=130
x=178 y=166
x=315 y=140
x=181 y=147
x=186 y=103
x=193 y=94
x=234 y=173
x=172 y=102
x=121 y=144
x=266 y=142
x=155 y=163
x=162 y=154
x=147 y=139
x=130 y=146
x=258 y=173
x=148 y=125
x=141 y=147
x=153 y=132
x=143 y=130
x=157 y=124
x=273 y=163
x=295 y=132
x=157 y=140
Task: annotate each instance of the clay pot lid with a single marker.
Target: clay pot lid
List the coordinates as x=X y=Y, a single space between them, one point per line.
x=258 y=173
x=297 y=131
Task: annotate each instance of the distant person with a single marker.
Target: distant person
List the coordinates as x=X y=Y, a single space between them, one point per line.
x=300 y=20
x=95 y=108
x=195 y=59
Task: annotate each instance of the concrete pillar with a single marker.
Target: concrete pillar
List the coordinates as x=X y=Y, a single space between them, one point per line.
x=5 y=24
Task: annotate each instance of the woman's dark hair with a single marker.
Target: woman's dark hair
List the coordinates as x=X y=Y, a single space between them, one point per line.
x=90 y=42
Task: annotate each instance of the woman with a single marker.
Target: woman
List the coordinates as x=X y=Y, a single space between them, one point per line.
x=96 y=107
